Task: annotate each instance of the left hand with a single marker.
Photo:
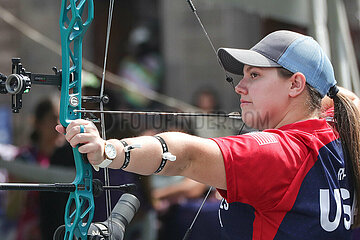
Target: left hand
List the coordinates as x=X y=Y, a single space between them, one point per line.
x=89 y=141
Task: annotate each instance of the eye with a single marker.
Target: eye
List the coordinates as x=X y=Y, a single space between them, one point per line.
x=254 y=75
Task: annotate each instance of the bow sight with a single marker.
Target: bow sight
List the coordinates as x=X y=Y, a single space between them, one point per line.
x=20 y=81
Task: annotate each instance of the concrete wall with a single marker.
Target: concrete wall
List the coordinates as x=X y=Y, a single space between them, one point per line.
x=190 y=61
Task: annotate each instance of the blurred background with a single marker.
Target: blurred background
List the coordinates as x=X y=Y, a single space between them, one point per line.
x=179 y=57
x=159 y=59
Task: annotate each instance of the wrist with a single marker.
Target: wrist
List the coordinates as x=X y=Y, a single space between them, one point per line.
x=109 y=154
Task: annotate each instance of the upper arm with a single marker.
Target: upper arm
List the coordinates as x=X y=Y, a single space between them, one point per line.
x=208 y=166
x=197 y=158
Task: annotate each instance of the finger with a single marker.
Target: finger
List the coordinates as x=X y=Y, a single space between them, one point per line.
x=78 y=122
x=60 y=129
x=92 y=147
x=84 y=150
x=81 y=138
x=89 y=126
x=74 y=130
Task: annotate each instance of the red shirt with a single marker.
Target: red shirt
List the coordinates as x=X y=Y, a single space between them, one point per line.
x=276 y=171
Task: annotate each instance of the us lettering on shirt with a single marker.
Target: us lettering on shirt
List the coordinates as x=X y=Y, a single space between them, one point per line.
x=340 y=196
x=224 y=204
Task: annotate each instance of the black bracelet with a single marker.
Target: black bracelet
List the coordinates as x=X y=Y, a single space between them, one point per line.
x=127 y=155
x=166 y=154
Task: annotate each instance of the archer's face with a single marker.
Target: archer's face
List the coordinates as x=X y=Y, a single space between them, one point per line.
x=264 y=97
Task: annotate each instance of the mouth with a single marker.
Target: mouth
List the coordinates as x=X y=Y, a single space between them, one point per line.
x=244 y=103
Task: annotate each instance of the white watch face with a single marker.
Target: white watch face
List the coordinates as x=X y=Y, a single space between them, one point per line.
x=110 y=151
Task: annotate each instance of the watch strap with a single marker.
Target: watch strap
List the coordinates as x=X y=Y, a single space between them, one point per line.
x=105 y=163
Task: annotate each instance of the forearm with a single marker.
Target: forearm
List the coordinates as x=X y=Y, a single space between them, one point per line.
x=197 y=158
x=147 y=159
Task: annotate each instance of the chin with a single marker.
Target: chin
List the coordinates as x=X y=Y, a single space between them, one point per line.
x=250 y=122
x=254 y=120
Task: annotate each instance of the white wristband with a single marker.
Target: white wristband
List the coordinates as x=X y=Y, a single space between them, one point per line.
x=105 y=163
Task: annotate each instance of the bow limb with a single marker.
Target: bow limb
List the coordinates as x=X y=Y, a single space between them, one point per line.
x=80 y=207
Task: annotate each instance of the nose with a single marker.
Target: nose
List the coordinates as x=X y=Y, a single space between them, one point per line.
x=240 y=88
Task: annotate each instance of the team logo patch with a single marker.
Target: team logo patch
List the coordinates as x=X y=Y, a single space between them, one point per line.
x=263 y=138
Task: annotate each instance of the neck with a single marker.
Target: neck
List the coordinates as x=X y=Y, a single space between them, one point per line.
x=296 y=120
x=297 y=111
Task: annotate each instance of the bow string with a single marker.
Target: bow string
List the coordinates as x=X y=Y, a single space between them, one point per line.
x=75 y=18
x=74 y=21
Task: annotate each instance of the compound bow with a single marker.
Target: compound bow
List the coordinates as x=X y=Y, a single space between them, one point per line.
x=74 y=22
x=75 y=18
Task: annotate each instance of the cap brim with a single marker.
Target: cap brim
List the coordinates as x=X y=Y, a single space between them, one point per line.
x=233 y=60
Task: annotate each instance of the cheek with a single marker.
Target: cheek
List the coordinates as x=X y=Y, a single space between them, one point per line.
x=264 y=108
x=270 y=95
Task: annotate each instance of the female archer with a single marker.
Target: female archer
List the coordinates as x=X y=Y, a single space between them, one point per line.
x=296 y=179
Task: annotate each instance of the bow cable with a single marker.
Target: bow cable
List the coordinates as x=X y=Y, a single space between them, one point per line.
x=227 y=77
x=188 y=231
x=102 y=117
x=229 y=80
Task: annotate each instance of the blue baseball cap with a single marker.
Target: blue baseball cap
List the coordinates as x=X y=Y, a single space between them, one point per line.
x=290 y=50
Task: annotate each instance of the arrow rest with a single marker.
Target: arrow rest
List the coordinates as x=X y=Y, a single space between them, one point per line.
x=96 y=99
x=90 y=117
x=93 y=99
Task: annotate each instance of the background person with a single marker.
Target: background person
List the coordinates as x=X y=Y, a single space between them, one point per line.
x=24 y=208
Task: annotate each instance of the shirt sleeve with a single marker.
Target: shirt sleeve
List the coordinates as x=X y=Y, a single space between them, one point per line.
x=260 y=166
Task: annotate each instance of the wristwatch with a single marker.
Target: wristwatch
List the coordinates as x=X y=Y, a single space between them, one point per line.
x=110 y=154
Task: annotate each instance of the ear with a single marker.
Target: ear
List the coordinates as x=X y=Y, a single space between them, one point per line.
x=297 y=84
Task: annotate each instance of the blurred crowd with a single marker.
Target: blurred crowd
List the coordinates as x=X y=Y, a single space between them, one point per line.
x=167 y=206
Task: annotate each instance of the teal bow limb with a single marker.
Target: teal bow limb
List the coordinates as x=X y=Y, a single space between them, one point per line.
x=74 y=22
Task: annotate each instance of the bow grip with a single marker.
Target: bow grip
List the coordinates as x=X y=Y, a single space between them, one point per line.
x=79 y=209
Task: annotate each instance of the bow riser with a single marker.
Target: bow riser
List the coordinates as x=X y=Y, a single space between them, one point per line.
x=79 y=209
